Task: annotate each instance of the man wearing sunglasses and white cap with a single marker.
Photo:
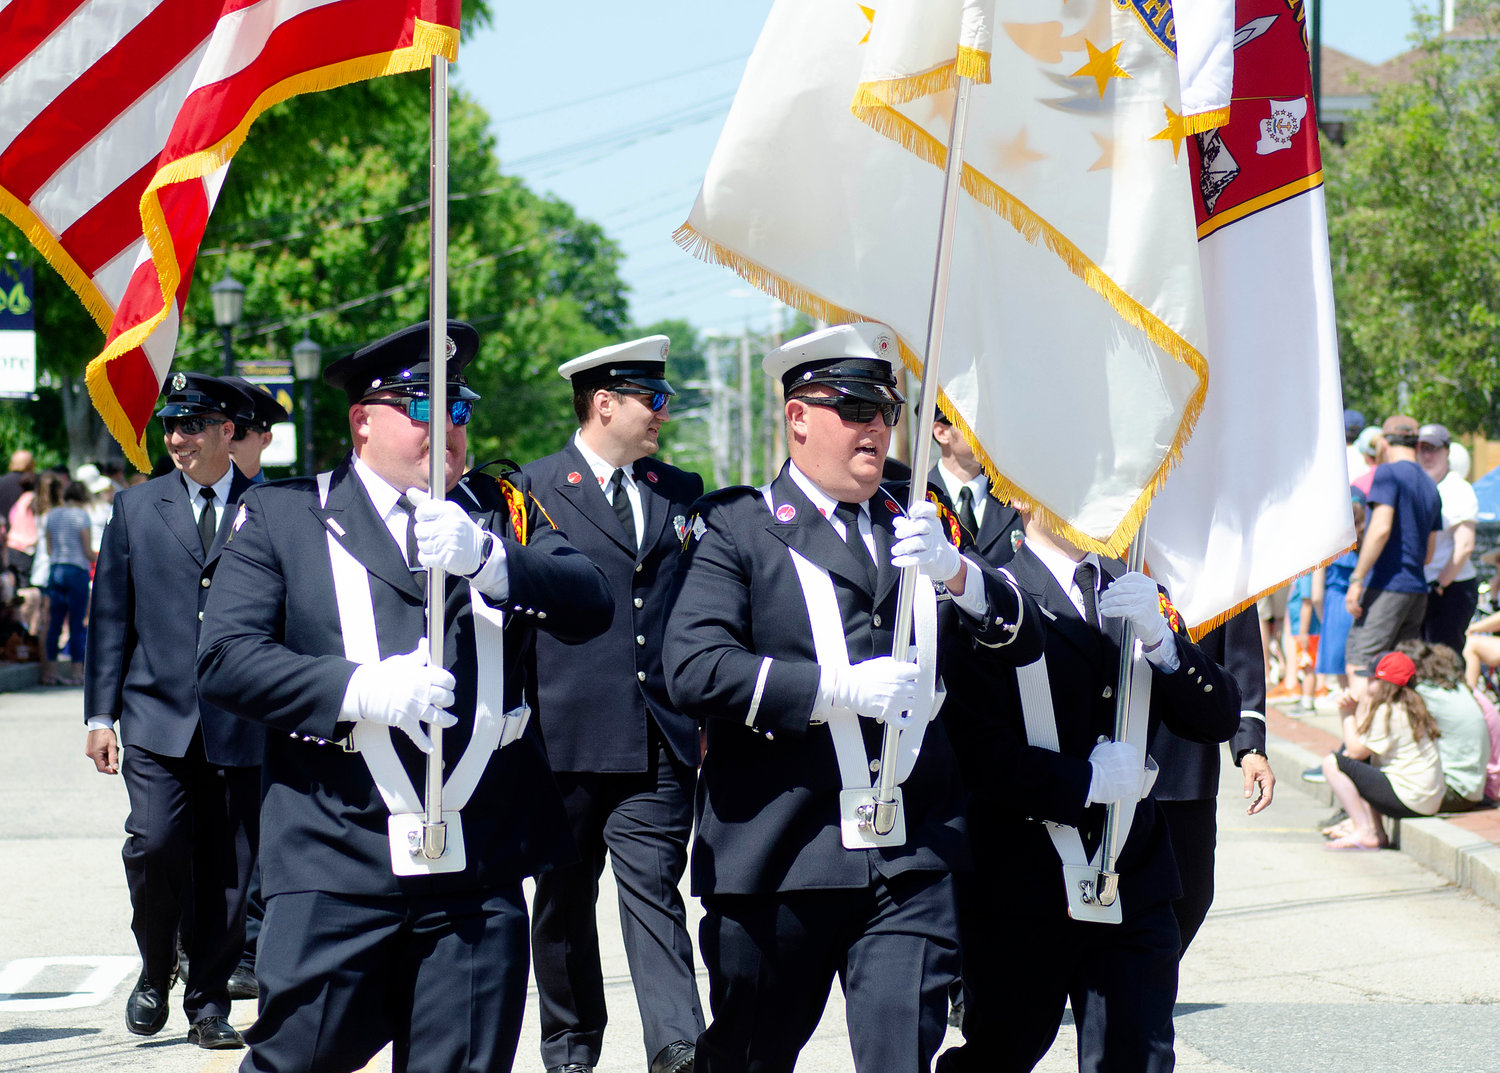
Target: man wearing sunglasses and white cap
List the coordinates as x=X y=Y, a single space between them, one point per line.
x=191 y=769
x=780 y=642
x=625 y=757
x=317 y=629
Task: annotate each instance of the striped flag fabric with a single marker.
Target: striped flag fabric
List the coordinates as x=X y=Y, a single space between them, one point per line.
x=1072 y=352
x=1262 y=493
x=118 y=120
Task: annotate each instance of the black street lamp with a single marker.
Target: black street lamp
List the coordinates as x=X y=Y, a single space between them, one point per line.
x=307 y=362
x=228 y=297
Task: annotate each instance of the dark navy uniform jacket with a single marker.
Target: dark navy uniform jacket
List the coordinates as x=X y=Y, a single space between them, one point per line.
x=1013 y=786
x=595 y=697
x=1190 y=769
x=273 y=652
x=768 y=792
x=150 y=587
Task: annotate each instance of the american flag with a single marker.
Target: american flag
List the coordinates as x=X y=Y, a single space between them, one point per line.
x=118 y=119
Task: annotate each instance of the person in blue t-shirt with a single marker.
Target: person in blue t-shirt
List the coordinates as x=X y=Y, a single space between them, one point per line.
x=1388 y=591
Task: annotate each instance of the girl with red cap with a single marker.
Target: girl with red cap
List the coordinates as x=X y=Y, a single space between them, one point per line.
x=1389 y=765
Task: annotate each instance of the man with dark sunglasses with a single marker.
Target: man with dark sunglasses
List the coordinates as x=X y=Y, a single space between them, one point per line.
x=252 y=427
x=317 y=629
x=192 y=770
x=780 y=642
x=625 y=757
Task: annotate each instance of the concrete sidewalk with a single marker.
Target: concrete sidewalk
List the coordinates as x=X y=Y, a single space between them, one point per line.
x=1462 y=847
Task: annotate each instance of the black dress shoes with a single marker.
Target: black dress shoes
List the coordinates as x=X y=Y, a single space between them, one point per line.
x=242 y=983
x=146 y=1008
x=571 y=1067
x=674 y=1058
x=215 y=1034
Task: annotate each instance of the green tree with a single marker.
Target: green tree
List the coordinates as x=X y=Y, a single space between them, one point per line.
x=1414 y=230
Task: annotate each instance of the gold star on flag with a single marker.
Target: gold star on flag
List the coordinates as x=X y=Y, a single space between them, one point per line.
x=869 y=13
x=1102 y=66
x=1106 y=153
x=1173 y=132
x=1017 y=154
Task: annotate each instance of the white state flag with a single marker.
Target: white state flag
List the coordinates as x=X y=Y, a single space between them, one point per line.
x=1072 y=352
x=1262 y=494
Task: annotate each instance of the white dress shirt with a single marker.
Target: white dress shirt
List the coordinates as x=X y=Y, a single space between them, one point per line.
x=979 y=487
x=603 y=472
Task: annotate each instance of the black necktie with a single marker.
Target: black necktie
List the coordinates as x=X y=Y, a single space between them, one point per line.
x=1083 y=577
x=966 y=511
x=413 y=561
x=848 y=513
x=621 y=501
x=208 y=523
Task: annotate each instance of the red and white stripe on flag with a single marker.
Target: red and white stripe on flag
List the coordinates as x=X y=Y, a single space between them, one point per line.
x=118 y=119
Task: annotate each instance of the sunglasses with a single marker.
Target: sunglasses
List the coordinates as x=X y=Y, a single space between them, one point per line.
x=658 y=398
x=420 y=409
x=191 y=426
x=859 y=411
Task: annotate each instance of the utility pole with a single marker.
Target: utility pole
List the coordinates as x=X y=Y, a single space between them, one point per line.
x=718 y=409
x=747 y=415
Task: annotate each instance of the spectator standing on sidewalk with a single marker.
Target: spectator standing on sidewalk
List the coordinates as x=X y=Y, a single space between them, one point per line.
x=1451 y=578
x=70 y=553
x=1387 y=594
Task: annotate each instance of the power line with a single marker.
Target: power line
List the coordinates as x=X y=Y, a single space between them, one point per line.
x=615 y=92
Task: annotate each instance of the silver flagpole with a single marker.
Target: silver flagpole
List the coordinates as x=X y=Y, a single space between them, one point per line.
x=1108 y=887
x=434 y=834
x=885 y=794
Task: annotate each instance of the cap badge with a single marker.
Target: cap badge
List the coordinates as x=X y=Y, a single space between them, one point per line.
x=575 y=477
x=651 y=476
x=785 y=513
x=179 y=382
x=882 y=343
x=450 y=348
x=664 y=348
x=376 y=383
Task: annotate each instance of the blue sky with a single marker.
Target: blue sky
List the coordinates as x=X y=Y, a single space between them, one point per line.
x=615 y=108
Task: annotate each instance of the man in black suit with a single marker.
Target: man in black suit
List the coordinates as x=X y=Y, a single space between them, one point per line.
x=1188 y=785
x=994 y=526
x=781 y=643
x=191 y=770
x=1040 y=778
x=625 y=758
x=317 y=630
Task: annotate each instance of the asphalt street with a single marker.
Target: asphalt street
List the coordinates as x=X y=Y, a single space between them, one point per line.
x=1339 y=962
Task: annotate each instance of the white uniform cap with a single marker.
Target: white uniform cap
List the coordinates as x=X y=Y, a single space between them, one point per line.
x=844 y=354
x=642 y=361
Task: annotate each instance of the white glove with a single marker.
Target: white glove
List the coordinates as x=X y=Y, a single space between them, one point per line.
x=1118 y=773
x=921 y=542
x=403 y=691
x=1135 y=598
x=447 y=537
x=883 y=689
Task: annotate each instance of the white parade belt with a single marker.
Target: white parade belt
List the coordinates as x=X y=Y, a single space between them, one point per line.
x=857 y=771
x=494 y=728
x=1080 y=872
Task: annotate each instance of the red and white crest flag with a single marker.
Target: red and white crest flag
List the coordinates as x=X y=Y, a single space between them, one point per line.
x=1261 y=495
x=118 y=119
x=1072 y=349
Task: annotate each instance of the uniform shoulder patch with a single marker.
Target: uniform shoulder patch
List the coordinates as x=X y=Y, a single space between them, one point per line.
x=1171 y=614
